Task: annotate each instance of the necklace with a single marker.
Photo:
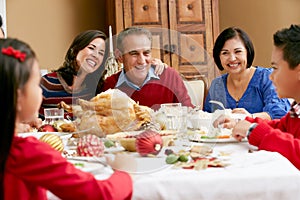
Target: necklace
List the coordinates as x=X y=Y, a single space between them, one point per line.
x=237 y=103
x=237 y=92
x=238 y=86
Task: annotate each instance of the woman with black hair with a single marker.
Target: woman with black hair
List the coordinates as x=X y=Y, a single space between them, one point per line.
x=243 y=88
x=80 y=73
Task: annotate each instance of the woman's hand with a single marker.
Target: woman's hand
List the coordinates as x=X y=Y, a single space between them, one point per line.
x=159 y=66
x=241 y=111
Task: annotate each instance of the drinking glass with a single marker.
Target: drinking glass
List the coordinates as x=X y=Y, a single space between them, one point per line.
x=182 y=131
x=172 y=112
x=53 y=114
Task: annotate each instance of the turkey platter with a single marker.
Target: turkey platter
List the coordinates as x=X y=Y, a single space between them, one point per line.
x=109 y=112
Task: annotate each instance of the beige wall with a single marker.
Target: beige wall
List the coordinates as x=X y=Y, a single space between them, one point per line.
x=49 y=26
x=260 y=19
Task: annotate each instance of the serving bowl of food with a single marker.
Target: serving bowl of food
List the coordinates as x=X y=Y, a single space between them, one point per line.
x=128 y=139
x=200 y=119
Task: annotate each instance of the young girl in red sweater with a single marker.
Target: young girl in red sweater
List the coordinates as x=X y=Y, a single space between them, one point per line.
x=29 y=167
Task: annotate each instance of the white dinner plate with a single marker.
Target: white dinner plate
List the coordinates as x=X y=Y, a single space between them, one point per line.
x=215 y=140
x=100 y=171
x=114 y=149
x=134 y=164
x=40 y=134
x=63 y=136
x=93 y=168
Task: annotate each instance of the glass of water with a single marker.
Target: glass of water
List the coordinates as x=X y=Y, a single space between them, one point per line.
x=172 y=111
x=53 y=114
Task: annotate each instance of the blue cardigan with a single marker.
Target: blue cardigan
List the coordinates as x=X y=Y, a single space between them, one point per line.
x=260 y=95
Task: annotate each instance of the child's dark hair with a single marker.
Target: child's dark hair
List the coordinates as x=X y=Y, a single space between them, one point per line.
x=14 y=73
x=288 y=39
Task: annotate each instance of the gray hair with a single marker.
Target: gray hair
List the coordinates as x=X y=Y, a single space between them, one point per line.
x=131 y=31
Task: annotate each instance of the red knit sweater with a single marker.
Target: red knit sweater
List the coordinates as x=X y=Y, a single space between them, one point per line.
x=33 y=167
x=279 y=135
x=168 y=89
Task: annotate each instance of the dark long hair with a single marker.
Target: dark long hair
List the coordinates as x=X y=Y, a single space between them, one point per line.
x=228 y=34
x=14 y=74
x=70 y=67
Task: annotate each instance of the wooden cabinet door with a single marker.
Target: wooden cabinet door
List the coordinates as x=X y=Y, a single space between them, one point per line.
x=183 y=31
x=192 y=20
x=151 y=14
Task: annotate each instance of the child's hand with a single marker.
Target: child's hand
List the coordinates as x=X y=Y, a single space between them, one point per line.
x=36 y=123
x=240 y=130
x=24 y=127
x=224 y=121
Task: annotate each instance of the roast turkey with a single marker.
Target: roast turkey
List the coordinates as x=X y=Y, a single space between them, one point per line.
x=109 y=112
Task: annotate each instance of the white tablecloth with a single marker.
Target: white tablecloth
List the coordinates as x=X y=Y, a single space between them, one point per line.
x=257 y=175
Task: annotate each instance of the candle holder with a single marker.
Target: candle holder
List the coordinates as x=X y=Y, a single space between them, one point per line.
x=111 y=65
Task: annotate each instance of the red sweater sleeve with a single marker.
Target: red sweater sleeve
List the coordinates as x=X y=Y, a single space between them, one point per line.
x=38 y=165
x=282 y=136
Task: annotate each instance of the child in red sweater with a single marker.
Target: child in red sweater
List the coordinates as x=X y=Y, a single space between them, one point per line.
x=281 y=135
x=29 y=167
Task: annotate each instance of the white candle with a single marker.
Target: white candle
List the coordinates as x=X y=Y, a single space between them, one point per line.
x=110 y=40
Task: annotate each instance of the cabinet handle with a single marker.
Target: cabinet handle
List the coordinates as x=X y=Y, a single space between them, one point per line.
x=145 y=7
x=190 y=6
x=170 y=48
x=192 y=48
x=173 y=48
x=166 y=48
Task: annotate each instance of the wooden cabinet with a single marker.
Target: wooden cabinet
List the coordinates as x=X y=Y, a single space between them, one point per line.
x=183 y=30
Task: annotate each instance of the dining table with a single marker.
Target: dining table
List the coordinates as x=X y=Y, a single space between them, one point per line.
x=248 y=174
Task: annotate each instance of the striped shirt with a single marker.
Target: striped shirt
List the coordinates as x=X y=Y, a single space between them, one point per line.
x=56 y=90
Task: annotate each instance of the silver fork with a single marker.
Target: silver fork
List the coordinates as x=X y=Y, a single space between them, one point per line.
x=218 y=103
x=219 y=125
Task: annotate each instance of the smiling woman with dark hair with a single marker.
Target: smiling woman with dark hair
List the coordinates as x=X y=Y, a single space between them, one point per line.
x=80 y=73
x=243 y=88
